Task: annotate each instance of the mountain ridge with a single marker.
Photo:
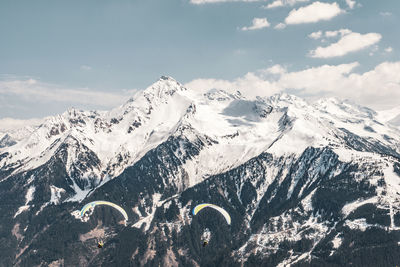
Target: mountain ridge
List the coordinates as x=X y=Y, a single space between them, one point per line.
x=300 y=181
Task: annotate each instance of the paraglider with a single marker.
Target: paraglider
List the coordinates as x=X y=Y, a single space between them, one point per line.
x=206 y=236
x=207 y=205
x=101 y=202
x=92 y=205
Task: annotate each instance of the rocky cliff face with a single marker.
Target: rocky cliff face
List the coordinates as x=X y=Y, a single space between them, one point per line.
x=305 y=184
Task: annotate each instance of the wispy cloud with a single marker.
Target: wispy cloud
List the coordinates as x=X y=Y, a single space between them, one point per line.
x=388 y=49
x=385 y=14
x=32 y=90
x=341 y=32
x=257 y=23
x=281 y=3
x=328 y=34
x=315 y=35
x=85 y=68
x=314 y=12
x=378 y=88
x=7 y=124
x=280 y=26
x=349 y=42
x=252 y=84
x=351 y=3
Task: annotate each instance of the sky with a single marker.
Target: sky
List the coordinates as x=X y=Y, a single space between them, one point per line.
x=95 y=54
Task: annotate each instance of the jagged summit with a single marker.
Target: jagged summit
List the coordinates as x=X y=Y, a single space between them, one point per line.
x=222 y=95
x=164 y=86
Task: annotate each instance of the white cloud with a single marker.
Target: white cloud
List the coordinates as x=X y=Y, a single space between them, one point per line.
x=258 y=23
x=315 y=35
x=317 y=80
x=36 y=91
x=280 y=26
x=314 y=12
x=378 y=88
x=276 y=79
x=252 y=85
x=385 y=14
x=277 y=3
x=349 y=42
x=389 y=49
x=351 y=3
x=329 y=34
x=280 y=3
x=201 y=2
x=342 y=32
x=85 y=68
x=275 y=69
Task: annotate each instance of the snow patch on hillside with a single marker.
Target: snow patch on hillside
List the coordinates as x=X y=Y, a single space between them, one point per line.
x=360 y=224
x=79 y=193
x=28 y=198
x=56 y=194
x=337 y=241
x=150 y=213
x=350 y=207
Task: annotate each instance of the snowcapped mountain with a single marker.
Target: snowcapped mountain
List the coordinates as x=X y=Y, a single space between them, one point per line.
x=304 y=183
x=13 y=130
x=391 y=116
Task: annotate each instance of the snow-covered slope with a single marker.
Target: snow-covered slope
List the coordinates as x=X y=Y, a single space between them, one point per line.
x=237 y=128
x=16 y=130
x=391 y=116
x=117 y=138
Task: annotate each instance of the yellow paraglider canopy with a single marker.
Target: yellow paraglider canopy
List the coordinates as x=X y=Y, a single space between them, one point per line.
x=207 y=205
x=102 y=202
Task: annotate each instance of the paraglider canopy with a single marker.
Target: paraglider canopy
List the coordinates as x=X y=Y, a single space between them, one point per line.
x=101 y=202
x=207 y=205
x=100 y=244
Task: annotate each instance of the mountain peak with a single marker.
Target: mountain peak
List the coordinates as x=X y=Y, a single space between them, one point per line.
x=339 y=106
x=283 y=100
x=166 y=78
x=165 y=86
